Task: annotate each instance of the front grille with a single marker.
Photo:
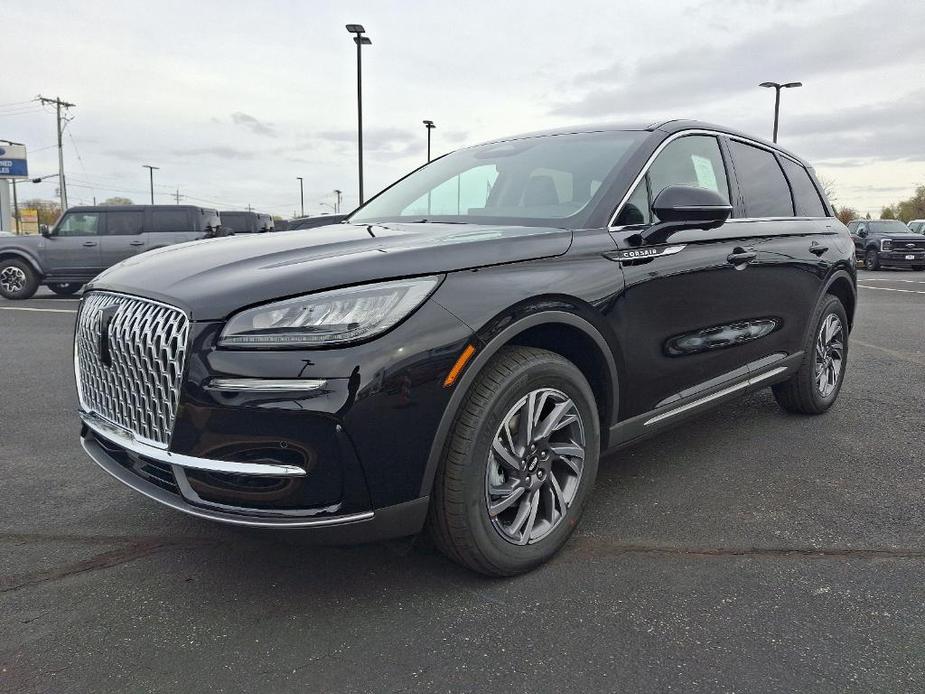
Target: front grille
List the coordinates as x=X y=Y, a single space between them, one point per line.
x=907 y=246
x=130 y=376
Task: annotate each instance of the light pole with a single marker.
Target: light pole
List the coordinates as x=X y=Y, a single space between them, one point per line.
x=301 y=194
x=338 y=193
x=360 y=40
x=429 y=124
x=776 y=86
x=151 y=170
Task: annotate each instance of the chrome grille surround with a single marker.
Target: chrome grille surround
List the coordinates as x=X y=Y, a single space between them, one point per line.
x=139 y=389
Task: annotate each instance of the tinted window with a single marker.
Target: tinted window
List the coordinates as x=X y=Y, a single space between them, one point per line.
x=805 y=196
x=169 y=220
x=695 y=161
x=761 y=181
x=239 y=222
x=536 y=180
x=124 y=223
x=79 y=224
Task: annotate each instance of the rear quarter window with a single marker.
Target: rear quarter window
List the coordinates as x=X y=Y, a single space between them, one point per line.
x=169 y=220
x=805 y=196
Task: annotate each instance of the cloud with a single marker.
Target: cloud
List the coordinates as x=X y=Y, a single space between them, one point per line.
x=255 y=126
x=217 y=151
x=660 y=83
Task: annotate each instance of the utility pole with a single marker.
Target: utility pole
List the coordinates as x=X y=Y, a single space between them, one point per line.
x=429 y=124
x=301 y=195
x=16 y=208
x=62 y=187
x=339 y=193
x=249 y=208
x=177 y=195
x=151 y=170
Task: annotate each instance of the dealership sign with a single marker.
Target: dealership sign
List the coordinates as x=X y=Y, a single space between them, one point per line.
x=13 y=161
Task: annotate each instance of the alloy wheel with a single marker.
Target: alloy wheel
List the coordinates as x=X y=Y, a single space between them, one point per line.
x=535 y=465
x=12 y=279
x=830 y=351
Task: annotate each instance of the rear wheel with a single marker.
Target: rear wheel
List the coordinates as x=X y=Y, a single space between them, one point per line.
x=814 y=388
x=519 y=464
x=871 y=260
x=65 y=288
x=17 y=279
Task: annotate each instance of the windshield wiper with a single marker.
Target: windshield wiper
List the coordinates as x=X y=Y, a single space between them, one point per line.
x=427 y=221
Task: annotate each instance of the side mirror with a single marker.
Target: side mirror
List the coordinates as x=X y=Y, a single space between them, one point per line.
x=862 y=234
x=686 y=207
x=44 y=231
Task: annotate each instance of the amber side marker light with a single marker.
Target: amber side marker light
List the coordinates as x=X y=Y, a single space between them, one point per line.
x=460 y=364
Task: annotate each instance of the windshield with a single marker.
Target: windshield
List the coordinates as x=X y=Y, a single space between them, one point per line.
x=887 y=226
x=533 y=181
x=239 y=222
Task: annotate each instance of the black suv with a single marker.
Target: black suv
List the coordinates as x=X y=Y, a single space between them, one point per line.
x=87 y=240
x=461 y=351
x=887 y=242
x=246 y=222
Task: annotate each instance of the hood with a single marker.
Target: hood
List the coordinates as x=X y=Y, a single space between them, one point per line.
x=901 y=236
x=214 y=278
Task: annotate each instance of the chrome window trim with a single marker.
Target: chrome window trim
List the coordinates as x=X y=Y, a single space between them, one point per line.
x=697 y=131
x=128 y=441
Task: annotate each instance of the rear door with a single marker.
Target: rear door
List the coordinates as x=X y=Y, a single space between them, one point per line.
x=73 y=248
x=689 y=314
x=123 y=235
x=794 y=237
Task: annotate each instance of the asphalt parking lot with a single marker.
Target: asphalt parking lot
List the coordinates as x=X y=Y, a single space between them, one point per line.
x=748 y=550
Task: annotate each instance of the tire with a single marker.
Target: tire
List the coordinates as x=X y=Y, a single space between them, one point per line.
x=802 y=393
x=871 y=260
x=17 y=279
x=469 y=470
x=65 y=288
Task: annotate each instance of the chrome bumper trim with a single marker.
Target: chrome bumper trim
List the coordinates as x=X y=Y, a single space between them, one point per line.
x=265 y=385
x=126 y=440
x=101 y=458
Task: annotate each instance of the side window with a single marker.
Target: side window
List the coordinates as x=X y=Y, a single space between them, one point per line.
x=124 y=223
x=79 y=224
x=459 y=195
x=761 y=181
x=169 y=220
x=694 y=160
x=805 y=196
x=636 y=210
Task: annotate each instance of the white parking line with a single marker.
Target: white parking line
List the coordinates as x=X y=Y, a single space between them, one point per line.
x=49 y=310
x=888 y=289
x=890 y=279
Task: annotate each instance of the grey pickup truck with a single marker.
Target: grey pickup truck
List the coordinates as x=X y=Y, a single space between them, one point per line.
x=87 y=240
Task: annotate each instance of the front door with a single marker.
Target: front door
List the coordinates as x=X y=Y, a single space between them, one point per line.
x=689 y=316
x=72 y=250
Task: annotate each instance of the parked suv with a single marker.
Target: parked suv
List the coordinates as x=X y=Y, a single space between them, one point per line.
x=87 y=240
x=462 y=350
x=246 y=222
x=887 y=242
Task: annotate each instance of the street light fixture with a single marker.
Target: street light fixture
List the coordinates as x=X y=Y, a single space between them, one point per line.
x=301 y=194
x=338 y=193
x=429 y=124
x=776 y=86
x=151 y=170
x=360 y=40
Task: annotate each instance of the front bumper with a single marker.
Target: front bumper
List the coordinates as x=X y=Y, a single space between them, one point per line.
x=900 y=259
x=163 y=477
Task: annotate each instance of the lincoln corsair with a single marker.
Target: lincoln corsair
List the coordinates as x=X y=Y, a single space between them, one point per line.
x=458 y=354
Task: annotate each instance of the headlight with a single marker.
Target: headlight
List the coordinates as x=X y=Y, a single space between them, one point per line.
x=328 y=318
x=886 y=244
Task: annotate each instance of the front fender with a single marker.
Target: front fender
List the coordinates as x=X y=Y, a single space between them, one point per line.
x=24 y=254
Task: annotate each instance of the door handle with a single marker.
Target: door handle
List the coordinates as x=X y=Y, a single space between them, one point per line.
x=89 y=243
x=816 y=249
x=136 y=243
x=740 y=256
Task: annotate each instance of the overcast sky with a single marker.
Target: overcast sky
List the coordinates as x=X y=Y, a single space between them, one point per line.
x=233 y=100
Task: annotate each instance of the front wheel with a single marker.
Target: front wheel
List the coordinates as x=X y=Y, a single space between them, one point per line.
x=519 y=464
x=814 y=388
x=65 y=288
x=871 y=261
x=17 y=279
